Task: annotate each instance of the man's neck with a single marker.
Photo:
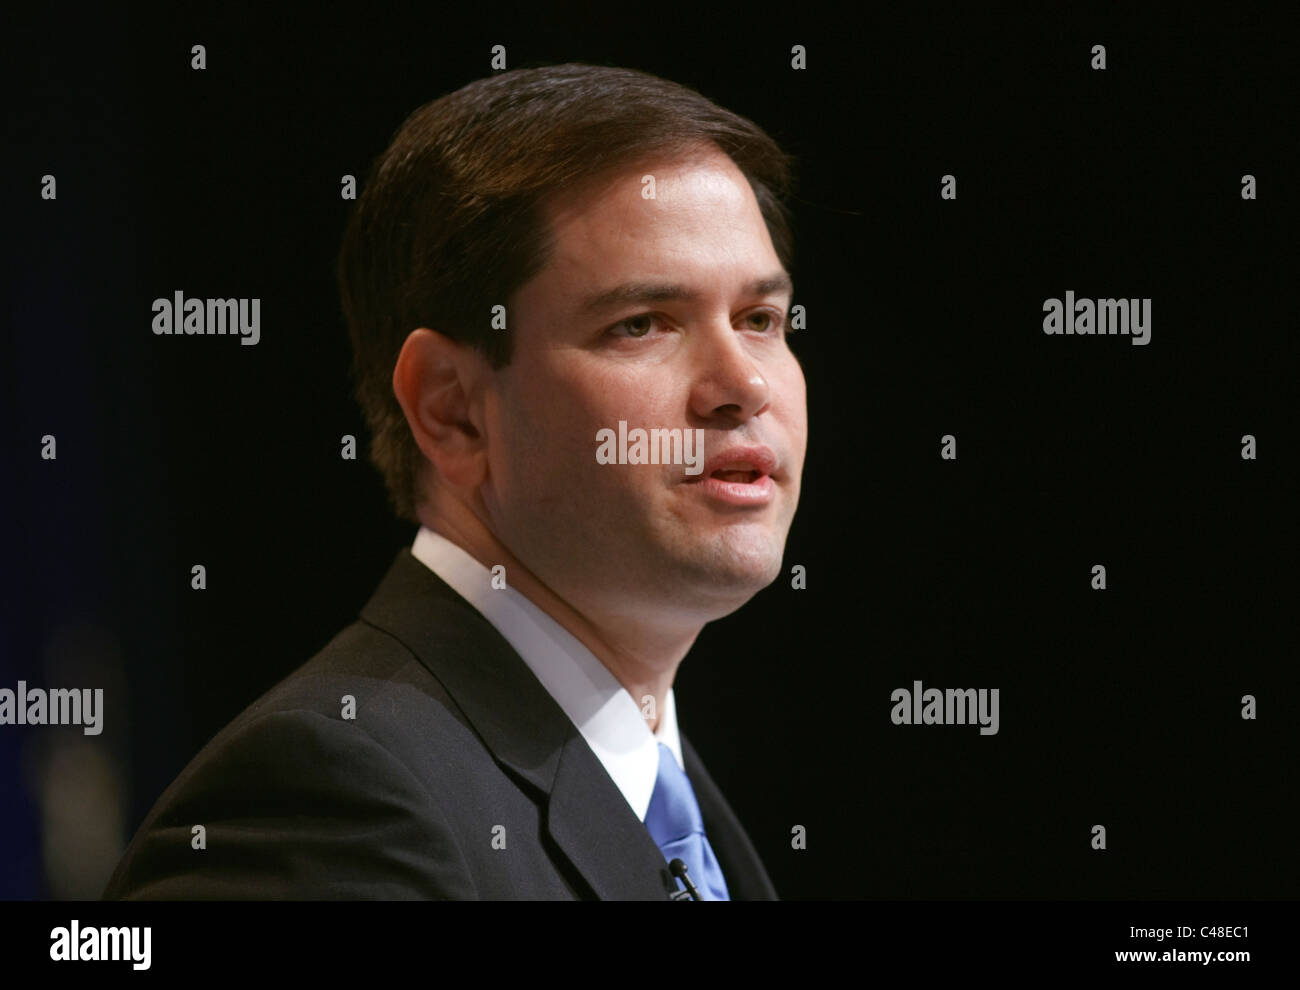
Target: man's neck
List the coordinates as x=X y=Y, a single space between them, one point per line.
x=643 y=661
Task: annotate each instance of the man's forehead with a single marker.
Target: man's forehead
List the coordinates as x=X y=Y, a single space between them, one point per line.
x=650 y=188
x=623 y=247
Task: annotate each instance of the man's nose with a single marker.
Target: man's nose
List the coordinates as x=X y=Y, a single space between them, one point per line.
x=728 y=381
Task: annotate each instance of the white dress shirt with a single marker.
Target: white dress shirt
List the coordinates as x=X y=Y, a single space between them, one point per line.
x=609 y=719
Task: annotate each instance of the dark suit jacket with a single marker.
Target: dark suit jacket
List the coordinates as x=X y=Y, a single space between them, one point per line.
x=453 y=737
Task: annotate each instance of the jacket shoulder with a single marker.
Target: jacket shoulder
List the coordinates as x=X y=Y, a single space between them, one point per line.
x=310 y=791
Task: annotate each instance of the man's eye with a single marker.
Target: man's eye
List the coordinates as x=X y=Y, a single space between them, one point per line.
x=771 y=321
x=762 y=321
x=636 y=326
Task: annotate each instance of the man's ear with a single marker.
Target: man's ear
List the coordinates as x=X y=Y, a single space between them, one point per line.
x=436 y=380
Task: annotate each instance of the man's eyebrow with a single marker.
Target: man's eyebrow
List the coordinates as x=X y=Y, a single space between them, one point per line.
x=659 y=292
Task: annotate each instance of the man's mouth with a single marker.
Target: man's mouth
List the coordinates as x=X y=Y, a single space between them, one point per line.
x=742 y=476
x=740 y=464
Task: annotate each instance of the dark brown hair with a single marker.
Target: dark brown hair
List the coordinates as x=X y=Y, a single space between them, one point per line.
x=449 y=222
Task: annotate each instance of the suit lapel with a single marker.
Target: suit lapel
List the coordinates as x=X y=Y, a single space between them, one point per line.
x=524 y=728
x=610 y=847
x=746 y=878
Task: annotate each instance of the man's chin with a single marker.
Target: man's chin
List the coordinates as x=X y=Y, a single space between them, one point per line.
x=725 y=581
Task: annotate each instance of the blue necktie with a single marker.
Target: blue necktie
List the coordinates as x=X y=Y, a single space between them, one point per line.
x=676 y=825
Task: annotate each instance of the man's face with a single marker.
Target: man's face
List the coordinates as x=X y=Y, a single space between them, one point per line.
x=705 y=350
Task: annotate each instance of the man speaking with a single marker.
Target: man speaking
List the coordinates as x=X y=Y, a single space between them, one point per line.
x=542 y=259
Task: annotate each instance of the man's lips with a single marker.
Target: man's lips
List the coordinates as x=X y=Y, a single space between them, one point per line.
x=743 y=465
x=740 y=476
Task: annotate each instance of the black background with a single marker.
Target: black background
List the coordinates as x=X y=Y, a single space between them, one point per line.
x=1119 y=708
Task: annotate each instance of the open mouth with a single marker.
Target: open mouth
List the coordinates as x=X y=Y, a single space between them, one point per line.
x=739 y=476
x=739 y=482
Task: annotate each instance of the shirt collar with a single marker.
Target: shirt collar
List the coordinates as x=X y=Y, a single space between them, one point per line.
x=601 y=709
